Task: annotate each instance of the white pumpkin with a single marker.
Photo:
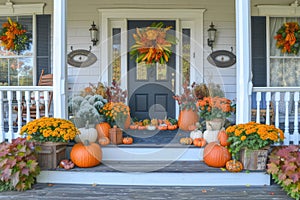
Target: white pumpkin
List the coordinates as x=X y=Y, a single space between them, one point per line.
x=87 y=133
x=196 y=134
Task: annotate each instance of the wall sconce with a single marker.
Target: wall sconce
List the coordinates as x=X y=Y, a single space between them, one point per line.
x=94 y=32
x=211 y=35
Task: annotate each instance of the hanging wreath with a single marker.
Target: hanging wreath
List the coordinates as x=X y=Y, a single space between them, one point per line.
x=14 y=37
x=288 y=38
x=152 y=44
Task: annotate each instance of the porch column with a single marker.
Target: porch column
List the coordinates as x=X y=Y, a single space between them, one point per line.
x=243 y=63
x=59 y=59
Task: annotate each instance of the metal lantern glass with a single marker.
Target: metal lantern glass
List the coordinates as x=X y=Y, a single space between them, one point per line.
x=211 y=35
x=93 y=32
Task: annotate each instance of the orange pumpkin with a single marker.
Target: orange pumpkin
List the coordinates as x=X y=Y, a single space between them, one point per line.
x=215 y=155
x=103 y=129
x=172 y=127
x=223 y=137
x=187 y=118
x=133 y=126
x=141 y=127
x=86 y=154
x=127 y=140
x=104 y=141
x=234 y=166
x=162 y=127
x=199 y=142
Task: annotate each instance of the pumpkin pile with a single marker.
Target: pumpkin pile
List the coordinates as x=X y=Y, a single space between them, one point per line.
x=153 y=124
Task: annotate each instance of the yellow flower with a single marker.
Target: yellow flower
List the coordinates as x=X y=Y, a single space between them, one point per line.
x=243 y=138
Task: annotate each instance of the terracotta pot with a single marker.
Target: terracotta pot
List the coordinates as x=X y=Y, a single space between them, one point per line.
x=187 y=118
x=215 y=124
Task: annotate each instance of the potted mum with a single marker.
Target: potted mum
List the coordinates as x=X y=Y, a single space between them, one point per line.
x=214 y=111
x=51 y=136
x=251 y=141
x=188 y=115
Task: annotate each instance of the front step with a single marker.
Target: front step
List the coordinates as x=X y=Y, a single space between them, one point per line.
x=157 y=173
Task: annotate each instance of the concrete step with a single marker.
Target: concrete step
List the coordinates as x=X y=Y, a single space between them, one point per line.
x=154 y=173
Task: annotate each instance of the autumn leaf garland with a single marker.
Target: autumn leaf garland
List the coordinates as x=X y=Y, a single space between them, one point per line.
x=14 y=37
x=152 y=44
x=288 y=38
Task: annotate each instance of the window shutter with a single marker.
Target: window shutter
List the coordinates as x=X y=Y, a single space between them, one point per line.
x=259 y=55
x=43 y=58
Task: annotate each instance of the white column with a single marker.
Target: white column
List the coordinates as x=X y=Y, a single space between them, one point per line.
x=59 y=59
x=243 y=62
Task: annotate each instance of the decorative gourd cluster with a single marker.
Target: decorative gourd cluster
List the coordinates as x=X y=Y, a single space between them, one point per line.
x=155 y=124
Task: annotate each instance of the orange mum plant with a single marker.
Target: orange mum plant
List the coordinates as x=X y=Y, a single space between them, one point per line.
x=252 y=136
x=215 y=107
x=288 y=37
x=14 y=37
x=152 y=44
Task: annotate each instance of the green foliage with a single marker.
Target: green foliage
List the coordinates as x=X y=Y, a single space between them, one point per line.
x=18 y=165
x=284 y=165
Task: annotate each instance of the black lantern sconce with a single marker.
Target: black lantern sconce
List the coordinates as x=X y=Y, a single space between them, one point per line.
x=94 y=32
x=211 y=35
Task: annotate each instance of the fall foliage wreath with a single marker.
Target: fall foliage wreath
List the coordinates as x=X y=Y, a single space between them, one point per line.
x=288 y=38
x=152 y=44
x=14 y=37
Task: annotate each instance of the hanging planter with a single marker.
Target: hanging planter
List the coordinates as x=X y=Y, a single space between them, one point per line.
x=152 y=44
x=14 y=37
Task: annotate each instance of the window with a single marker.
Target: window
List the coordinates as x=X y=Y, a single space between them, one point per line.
x=22 y=69
x=284 y=68
x=17 y=69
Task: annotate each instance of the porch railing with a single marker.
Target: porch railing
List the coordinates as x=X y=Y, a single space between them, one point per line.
x=282 y=109
x=16 y=107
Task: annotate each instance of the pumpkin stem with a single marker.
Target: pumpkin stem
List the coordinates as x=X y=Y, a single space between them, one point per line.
x=86 y=143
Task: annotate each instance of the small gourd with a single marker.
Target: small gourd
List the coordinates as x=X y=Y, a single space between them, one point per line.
x=199 y=142
x=87 y=133
x=186 y=141
x=234 y=166
x=127 y=140
x=196 y=134
x=103 y=141
x=103 y=129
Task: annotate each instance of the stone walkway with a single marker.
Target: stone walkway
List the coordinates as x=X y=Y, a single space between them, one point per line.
x=93 y=192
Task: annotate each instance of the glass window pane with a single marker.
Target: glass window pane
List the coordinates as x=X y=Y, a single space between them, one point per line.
x=116 y=55
x=161 y=72
x=186 y=57
x=141 y=71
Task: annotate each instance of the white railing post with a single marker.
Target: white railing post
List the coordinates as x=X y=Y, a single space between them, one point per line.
x=286 y=119
x=296 y=136
x=46 y=99
x=258 y=100
x=277 y=99
x=37 y=104
x=2 y=133
x=10 y=120
x=268 y=100
x=19 y=101
x=27 y=101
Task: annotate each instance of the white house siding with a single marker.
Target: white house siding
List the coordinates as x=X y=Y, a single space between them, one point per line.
x=80 y=15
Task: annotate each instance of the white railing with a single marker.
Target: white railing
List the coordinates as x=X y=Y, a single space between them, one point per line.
x=16 y=103
x=283 y=110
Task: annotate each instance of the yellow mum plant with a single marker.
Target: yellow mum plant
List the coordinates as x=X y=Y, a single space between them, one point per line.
x=115 y=112
x=252 y=136
x=49 y=129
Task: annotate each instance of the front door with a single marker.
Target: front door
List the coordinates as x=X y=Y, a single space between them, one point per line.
x=150 y=86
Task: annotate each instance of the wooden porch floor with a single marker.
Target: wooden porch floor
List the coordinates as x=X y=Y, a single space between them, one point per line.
x=93 y=192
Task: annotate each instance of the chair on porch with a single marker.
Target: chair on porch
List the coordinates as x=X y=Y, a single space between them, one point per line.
x=44 y=80
x=262 y=108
